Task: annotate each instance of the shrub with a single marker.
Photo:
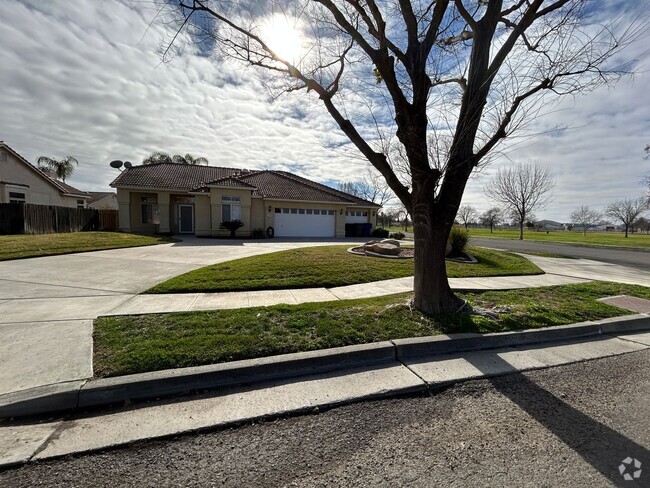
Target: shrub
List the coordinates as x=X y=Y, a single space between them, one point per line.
x=397 y=235
x=458 y=238
x=232 y=226
x=380 y=232
x=258 y=234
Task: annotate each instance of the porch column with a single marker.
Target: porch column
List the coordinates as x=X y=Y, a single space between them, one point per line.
x=124 y=209
x=163 y=209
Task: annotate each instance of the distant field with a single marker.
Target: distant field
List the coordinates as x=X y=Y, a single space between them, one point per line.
x=613 y=239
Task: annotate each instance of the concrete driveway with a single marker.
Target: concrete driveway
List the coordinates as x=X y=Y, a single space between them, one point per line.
x=47 y=304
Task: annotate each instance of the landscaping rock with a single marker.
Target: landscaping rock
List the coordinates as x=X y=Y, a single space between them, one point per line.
x=383 y=248
x=391 y=241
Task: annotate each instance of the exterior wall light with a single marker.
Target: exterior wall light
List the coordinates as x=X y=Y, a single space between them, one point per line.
x=270 y=208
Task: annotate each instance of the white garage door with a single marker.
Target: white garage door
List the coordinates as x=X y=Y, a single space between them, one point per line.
x=304 y=222
x=356 y=217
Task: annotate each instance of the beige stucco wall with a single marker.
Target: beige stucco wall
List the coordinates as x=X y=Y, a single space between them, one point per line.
x=40 y=191
x=215 y=210
x=202 y=216
x=258 y=214
x=255 y=212
x=135 y=213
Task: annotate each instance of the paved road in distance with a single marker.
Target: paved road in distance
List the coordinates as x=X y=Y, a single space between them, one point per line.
x=625 y=257
x=569 y=426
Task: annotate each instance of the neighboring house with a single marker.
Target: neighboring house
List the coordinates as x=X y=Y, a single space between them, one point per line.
x=102 y=200
x=20 y=181
x=180 y=198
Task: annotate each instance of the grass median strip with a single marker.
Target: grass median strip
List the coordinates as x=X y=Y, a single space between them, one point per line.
x=328 y=266
x=28 y=246
x=592 y=239
x=140 y=343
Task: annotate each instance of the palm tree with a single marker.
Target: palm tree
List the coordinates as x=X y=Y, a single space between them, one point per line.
x=189 y=159
x=63 y=168
x=157 y=157
x=163 y=157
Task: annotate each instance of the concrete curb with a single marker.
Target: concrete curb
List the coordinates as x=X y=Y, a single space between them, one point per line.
x=107 y=391
x=445 y=344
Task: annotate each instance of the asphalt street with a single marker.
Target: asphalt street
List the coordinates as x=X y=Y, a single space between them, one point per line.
x=566 y=426
x=624 y=257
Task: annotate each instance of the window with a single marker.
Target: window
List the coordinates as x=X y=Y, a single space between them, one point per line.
x=285 y=210
x=3 y=156
x=316 y=212
x=278 y=210
x=230 y=209
x=150 y=213
x=347 y=213
x=330 y=212
x=294 y=210
x=365 y=214
x=309 y=211
x=301 y=211
x=81 y=204
x=15 y=197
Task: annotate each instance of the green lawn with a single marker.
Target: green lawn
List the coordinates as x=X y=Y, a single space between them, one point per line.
x=327 y=266
x=596 y=239
x=140 y=343
x=28 y=246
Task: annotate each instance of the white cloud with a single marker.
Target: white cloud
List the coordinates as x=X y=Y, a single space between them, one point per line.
x=87 y=80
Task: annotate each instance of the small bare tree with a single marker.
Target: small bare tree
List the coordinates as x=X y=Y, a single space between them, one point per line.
x=470 y=73
x=467 y=215
x=492 y=217
x=372 y=187
x=584 y=217
x=521 y=189
x=627 y=211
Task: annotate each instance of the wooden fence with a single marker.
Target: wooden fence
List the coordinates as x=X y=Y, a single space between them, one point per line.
x=25 y=218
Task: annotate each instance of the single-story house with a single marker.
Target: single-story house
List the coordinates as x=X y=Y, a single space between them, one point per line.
x=102 y=200
x=23 y=182
x=181 y=198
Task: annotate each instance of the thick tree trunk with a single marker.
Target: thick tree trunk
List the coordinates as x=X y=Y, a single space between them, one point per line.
x=433 y=294
x=521 y=230
x=626 y=227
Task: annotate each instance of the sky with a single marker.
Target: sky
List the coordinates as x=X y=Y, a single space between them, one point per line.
x=86 y=79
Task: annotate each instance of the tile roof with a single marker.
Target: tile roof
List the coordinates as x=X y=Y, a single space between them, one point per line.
x=280 y=185
x=170 y=176
x=95 y=196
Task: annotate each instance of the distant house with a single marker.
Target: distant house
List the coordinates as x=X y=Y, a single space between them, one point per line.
x=23 y=182
x=181 y=198
x=103 y=200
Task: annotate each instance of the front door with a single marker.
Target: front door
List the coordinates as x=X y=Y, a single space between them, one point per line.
x=186 y=219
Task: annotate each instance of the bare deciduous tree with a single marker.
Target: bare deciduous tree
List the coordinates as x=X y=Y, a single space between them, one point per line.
x=584 y=217
x=492 y=217
x=467 y=215
x=372 y=187
x=627 y=211
x=521 y=189
x=469 y=72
